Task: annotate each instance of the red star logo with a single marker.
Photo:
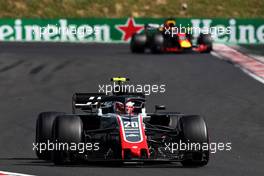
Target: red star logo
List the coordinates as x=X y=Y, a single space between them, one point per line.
x=129 y=29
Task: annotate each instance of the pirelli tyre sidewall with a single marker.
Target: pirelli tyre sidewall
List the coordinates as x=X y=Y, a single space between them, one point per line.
x=66 y=129
x=44 y=131
x=194 y=130
x=138 y=43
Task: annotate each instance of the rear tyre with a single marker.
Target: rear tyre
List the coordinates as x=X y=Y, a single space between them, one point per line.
x=138 y=43
x=194 y=130
x=44 y=132
x=206 y=39
x=67 y=129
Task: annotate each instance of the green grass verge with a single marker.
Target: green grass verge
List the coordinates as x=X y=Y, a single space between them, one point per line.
x=136 y=8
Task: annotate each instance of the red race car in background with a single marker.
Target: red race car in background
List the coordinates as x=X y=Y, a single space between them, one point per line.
x=168 y=38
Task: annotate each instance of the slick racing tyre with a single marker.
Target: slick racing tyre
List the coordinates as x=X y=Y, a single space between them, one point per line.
x=194 y=130
x=67 y=129
x=157 y=43
x=44 y=132
x=206 y=39
x=138 y=43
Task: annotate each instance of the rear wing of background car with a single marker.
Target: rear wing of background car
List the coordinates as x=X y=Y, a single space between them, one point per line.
x=150 y=26
x=86 y=101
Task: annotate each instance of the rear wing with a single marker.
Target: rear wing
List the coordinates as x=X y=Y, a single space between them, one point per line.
x=86 y=101
x=150 y=26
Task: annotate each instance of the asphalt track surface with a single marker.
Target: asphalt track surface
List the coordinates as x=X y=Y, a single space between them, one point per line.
x=42 y=77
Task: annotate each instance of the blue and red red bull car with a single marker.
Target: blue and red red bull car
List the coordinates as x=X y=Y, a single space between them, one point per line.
x=169 y=38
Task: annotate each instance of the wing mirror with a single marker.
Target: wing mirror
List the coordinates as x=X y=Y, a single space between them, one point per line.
x=159 y=107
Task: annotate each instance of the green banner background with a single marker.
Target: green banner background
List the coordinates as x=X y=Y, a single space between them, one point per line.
x=243 y=31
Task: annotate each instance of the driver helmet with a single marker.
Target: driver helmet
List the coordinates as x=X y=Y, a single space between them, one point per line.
x=130 y=107
x=169 y=23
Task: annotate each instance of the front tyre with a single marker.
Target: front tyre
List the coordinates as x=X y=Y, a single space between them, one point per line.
x=67 y=129
x=157 y=43
x=194 y=130
x=44 y=132
x=206 y=40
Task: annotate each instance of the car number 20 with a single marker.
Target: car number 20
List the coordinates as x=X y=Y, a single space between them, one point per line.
x=131 y=124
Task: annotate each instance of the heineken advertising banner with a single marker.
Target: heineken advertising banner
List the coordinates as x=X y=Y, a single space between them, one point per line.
x=242 y=31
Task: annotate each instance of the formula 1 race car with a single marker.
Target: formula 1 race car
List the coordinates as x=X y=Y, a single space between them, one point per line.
x=117 y=128
x=169 y=38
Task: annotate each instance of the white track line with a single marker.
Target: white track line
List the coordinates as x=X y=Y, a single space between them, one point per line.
x=248 y=64
x=260 y=79
x=4 y=173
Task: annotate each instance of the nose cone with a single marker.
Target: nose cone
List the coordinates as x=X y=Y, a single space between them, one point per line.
x=135 y=151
